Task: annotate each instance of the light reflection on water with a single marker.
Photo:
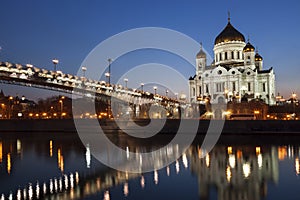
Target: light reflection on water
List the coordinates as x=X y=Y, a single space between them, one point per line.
x=60 y=167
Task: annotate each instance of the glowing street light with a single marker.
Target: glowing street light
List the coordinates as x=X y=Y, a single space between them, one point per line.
x=167 y=91
x=83 y=70
x=155 y=88
x=107 y=75
x=126 y=81
x=61 y=105
x=294 y=95
x=55 y=62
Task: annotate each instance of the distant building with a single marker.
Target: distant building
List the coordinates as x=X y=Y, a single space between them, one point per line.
x=236 y=72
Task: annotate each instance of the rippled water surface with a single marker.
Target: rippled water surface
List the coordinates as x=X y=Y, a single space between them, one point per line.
x=59 y=166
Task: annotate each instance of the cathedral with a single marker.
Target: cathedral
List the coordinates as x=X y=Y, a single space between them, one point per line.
x=236 y=73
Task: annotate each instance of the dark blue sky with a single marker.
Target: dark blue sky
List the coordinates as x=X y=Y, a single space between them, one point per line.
x=36 y=31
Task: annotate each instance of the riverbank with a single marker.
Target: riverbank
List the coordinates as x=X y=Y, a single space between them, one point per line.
x=231 y=127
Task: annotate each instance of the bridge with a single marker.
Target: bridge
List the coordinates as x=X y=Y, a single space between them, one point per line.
x=138 y=100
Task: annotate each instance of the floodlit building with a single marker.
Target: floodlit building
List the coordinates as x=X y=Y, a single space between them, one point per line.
x=236 y=73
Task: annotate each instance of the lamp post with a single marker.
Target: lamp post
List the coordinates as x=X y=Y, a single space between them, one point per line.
x=155 y=88
x=167 y=91
x=107 y=77
x=109 y=69
x=61 y=105
x=294 y=104
x=142 y=87
x=3 y=110
x=10 y=106
x=83 y=70
x=55 y=62
x=126 y=81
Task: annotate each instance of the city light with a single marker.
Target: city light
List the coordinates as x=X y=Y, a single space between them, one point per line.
x=246 y=170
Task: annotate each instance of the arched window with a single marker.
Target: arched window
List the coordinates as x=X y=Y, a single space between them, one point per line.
x=220 y=55
x=232 y=55
x=226 y=56
x=238 y=55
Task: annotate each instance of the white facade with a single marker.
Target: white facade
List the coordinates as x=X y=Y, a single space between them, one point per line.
x=236 y=72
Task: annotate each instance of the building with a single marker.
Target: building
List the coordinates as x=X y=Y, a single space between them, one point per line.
x=236 y=72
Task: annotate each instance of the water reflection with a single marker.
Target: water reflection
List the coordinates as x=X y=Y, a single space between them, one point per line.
x=238 y=173
x=235 y=171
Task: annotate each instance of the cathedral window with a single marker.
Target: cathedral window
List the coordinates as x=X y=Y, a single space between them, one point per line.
x=220 y=55
x=194 y=92
x=220 y=87
x=200 y=90
x=207 y=90
x=226 y=56
x=238 y=55
x=233 y=86
x=232 y=55
x=264 y=87
x=220 y=72
x=249 y=86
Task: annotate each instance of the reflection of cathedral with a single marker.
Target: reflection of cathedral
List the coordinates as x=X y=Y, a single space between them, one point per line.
x=236 y=71
x=240 y=173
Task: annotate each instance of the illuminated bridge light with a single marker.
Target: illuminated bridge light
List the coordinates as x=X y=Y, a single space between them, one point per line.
x=55 y=185
x=246 y=170
x=71 y=180
x=231 y=160
x=88 y=156
x=155 y=177
x=66 y=181
x=19 y=194
x=10 y=197
x=37 y=191
x=30 y=191
x=168 y=171
x=44 y=188
x=185 y=161
x=228 y=174
x=259 y=161
x=25 y=193
x=207 y=160
x=106 y=195
x=142 y=182
x=77 y=177
x=51 y=186
x=60 y=184
x=297 y=166
x=177 y=166
x=126 y=189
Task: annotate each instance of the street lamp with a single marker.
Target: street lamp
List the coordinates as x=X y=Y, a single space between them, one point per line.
x=61 y=105
x=167 y=91
x=142 y=87
x=294 y=104
x=109 y=70
x=55 y=62
x=83 y=70
x=10 y=106
x=155 y=88
x=126 y=81
x=107 y=75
